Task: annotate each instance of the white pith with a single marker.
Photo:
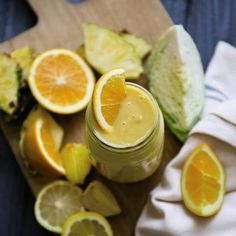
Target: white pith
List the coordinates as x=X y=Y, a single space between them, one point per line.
x=39 y=125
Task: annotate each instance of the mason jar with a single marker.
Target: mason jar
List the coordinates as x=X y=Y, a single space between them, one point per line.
x=127 y=164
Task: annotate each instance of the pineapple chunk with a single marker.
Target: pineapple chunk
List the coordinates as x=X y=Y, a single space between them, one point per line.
x=81 y=51
x=97 y=197
x=106 y=50
x=141 y=46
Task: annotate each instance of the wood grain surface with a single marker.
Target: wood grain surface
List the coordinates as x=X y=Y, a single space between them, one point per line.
x=59 y=25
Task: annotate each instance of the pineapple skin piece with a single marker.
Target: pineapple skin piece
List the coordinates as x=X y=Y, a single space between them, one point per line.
x=24 y=58
x=9 y=84
x=177 y=80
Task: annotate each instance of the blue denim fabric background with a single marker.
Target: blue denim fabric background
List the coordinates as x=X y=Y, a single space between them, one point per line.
x=207 y=22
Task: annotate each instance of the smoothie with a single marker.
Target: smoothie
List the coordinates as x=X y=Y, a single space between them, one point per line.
x=135 y=120
x=132 y=150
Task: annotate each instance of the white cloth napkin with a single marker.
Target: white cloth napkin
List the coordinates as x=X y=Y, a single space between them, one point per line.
x=164 y=213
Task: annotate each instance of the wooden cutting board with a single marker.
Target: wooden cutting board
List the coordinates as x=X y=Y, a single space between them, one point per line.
x=59 y=25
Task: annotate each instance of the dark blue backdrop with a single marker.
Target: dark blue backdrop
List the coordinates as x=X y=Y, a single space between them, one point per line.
x=207 y=22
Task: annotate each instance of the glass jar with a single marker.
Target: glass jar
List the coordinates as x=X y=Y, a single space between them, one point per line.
x=127 y=164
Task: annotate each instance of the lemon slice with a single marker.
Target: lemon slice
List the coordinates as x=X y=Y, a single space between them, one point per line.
x=109 y=93
x=203 y=182
x=61 y=81
x=106 y=50
x=86 y=224
x=55 y=203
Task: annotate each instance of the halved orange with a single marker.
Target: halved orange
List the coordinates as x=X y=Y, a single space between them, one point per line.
x=41 y=147
x=109 y=93
x=61 y=81
x=203 y=182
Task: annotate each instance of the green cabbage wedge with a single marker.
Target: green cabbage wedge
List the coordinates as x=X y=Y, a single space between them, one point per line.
x=177 y=80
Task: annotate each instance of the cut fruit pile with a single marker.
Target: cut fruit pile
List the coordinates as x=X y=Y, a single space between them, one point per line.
x=40 y=141
x=59 y=209
x=109 y=93
x=61 y=81
x=203 y=182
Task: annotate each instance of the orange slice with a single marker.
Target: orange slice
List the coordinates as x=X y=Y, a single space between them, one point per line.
x=41 y=149
x=61 y=81
x=109 y=93
x=203 y=182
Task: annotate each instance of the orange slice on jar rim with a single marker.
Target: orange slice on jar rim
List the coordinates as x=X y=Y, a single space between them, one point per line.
x=61 y=81
x=109 y=92
x=203 y=182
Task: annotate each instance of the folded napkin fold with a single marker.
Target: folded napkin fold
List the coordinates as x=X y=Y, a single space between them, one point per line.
x=164 y=213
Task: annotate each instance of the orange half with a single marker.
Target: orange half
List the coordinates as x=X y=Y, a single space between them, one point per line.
x=61 y=81
x=203 y=182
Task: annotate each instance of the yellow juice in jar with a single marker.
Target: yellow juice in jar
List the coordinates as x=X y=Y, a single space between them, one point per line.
x=135 y=120
x=132 y=150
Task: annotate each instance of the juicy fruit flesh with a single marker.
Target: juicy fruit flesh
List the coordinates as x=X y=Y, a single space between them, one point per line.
x=61 y=80
x=98 y=198
x=50 y=144
x=40 y=143
x=53 y=205
x=75 y=159
x=203 y=180
x=112 y=95
x=87 y=228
